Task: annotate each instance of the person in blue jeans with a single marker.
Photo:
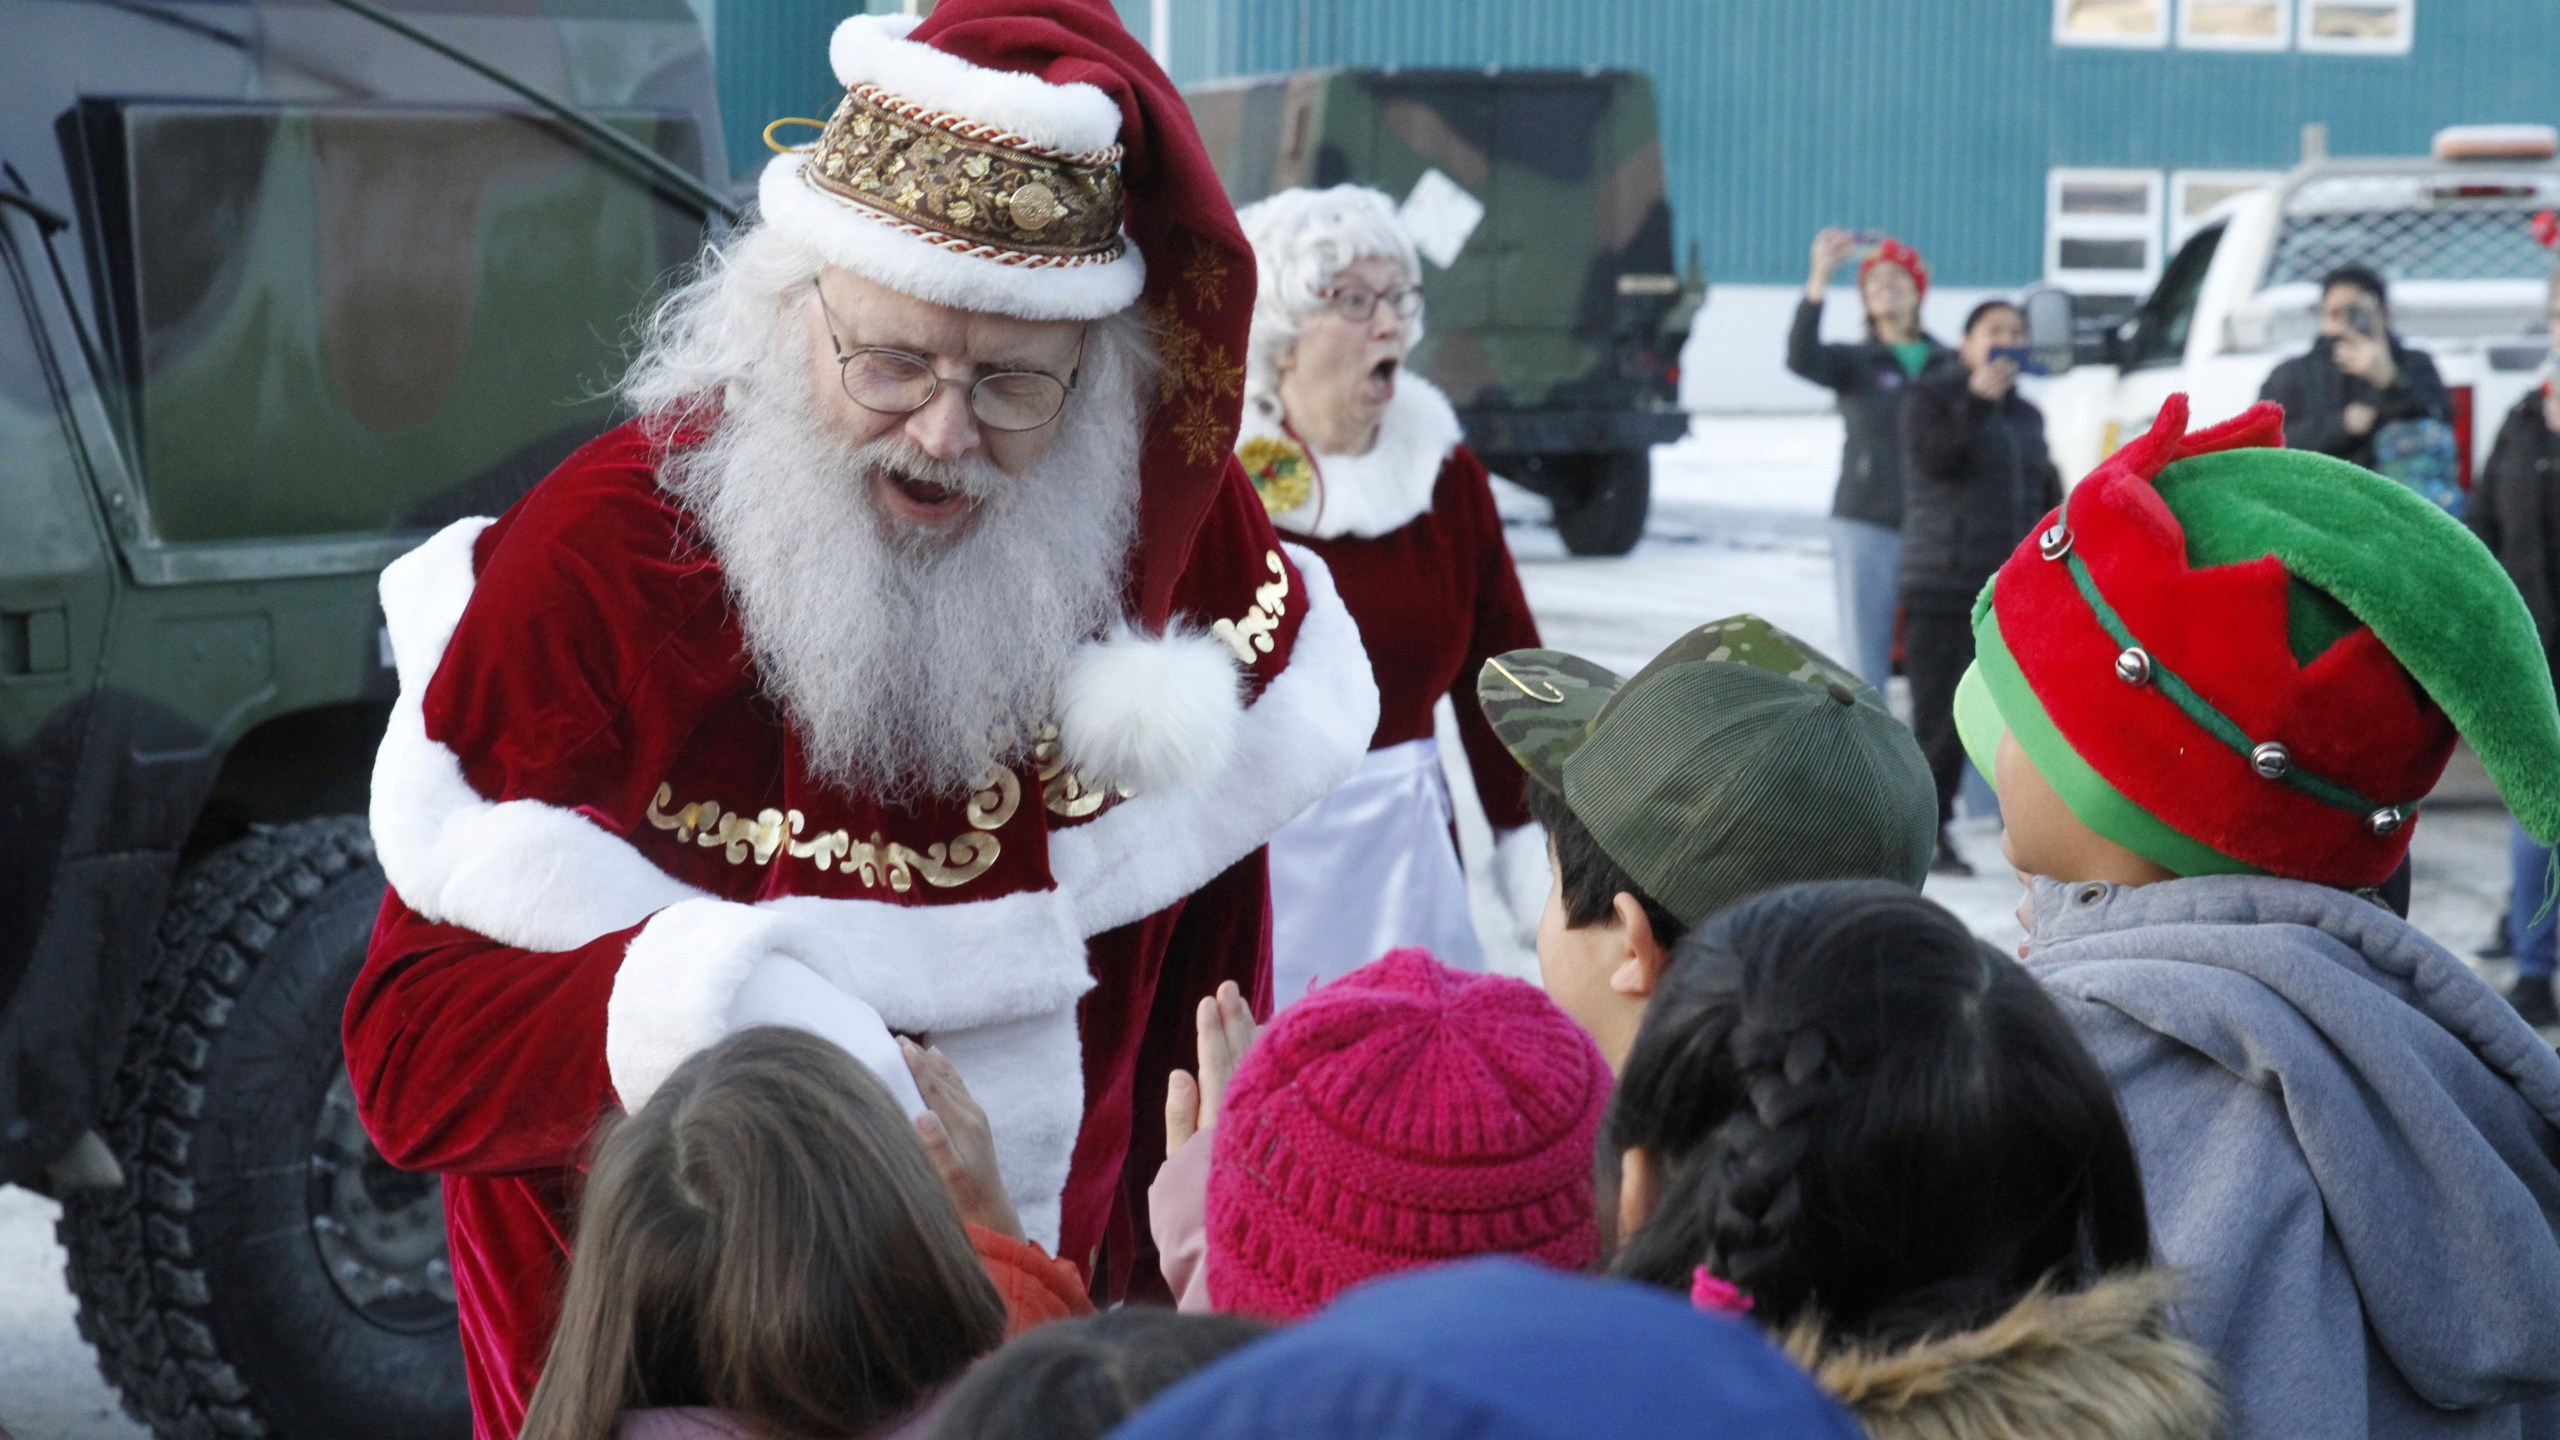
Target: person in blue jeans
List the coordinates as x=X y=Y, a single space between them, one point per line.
x=2515 y=511
x=1870 y=378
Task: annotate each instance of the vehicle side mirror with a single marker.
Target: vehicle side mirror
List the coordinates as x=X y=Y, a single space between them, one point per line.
x=2050 y=329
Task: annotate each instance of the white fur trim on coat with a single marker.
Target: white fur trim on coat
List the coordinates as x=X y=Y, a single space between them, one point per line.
x=875 y=50
x=536 y=876
x=1303 y=737
x=993 y=982
x=1150 y=712
x=1369 y=495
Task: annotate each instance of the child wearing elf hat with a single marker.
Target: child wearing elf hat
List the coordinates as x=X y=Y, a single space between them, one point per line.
x=2211 y=691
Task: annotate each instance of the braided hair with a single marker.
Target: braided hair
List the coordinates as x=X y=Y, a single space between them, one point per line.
x=1860 y=1111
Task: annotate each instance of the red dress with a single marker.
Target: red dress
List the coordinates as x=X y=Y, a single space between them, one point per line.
x=594 y=824
x=1410 y=531
x=1435 y=598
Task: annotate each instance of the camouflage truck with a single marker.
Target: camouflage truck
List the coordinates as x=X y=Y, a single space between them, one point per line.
x=286 y=290
x=1556 y=328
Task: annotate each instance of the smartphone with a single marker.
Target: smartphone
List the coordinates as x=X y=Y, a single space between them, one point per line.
x=2365 y=320
x=2022 y=356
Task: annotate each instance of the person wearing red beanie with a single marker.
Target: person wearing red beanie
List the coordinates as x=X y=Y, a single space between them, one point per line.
x=1405 y=1115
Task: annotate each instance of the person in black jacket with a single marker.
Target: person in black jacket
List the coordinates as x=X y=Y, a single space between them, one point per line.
x=2357 y=377
x=1976 y=480
x=2515 y=510
x=1870 y=378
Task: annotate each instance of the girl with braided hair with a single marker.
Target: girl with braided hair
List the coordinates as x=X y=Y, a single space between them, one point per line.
x=1847 y=1116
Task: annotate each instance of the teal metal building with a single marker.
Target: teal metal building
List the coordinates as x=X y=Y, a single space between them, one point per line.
x=2011 y=140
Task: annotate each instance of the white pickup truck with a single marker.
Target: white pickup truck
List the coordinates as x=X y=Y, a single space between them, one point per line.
x=2452 y=233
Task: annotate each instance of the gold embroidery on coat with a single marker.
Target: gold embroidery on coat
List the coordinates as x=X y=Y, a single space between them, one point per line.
x=1250 y=635
x=874 y=862
x=1067 y=793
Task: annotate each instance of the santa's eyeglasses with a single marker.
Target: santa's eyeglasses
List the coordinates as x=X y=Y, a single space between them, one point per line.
x=897 y=382
x=1353 y=303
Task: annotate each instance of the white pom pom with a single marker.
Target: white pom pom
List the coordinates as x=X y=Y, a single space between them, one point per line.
x=1151 y=713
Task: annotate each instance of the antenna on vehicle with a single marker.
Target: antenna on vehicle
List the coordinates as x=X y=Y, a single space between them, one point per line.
x=2315 y=142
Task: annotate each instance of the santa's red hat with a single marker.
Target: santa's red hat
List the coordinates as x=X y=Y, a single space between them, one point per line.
x=1028 y=158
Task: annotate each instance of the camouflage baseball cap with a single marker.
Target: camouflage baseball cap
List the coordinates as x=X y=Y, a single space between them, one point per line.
x=1738 y=759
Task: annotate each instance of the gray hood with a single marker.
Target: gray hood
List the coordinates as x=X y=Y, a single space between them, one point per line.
x=2426 y=1113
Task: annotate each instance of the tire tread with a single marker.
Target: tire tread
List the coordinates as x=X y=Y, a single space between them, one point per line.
x=133 y=1264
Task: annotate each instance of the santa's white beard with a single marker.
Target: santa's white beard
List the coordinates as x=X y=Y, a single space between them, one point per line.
x=910 y=661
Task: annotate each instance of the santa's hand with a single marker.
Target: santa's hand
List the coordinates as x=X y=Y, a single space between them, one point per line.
x=781 y=991
x=958 y=1141
x=1524 y=875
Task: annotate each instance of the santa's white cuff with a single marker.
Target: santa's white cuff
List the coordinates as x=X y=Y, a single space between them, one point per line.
x=672 y=995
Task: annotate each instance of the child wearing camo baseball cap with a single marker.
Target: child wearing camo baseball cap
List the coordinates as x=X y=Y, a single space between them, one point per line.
x=1737 y=760
x=2211 y=690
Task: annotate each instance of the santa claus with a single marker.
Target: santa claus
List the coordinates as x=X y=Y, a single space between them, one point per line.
x=918 y=660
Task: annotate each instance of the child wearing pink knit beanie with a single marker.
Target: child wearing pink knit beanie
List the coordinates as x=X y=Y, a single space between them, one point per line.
x=1404 y=1115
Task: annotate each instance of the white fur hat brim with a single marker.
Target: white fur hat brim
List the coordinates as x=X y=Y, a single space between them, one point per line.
x=873 y=246
x=875 y=50
x=1076 y=118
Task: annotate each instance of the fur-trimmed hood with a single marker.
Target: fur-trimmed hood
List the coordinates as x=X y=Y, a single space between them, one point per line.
x=2103 y=1364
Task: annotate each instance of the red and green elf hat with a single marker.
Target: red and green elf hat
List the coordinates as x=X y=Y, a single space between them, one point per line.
x=2234 y=658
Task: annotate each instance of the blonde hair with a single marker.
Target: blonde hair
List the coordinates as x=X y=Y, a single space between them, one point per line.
x=764 y=1237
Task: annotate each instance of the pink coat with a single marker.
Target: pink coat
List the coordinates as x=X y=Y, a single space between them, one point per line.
x=1177 y=1214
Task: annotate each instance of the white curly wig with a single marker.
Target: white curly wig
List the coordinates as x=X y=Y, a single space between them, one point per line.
x=1301 y=239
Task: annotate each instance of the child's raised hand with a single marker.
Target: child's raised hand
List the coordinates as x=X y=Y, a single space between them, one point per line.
x=959 y=1142
x=1226 y=1032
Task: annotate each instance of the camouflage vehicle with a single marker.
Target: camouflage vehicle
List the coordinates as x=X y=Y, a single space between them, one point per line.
x=286 y=289
x=1556 y=328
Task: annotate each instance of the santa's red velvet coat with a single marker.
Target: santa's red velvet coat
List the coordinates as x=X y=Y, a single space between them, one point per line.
x=594 y=821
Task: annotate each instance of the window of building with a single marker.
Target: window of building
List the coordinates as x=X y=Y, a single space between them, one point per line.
x=2358 y=27
x=2102 y=230
x=2111 y=22
x=2194 y=193
x=2233 y=24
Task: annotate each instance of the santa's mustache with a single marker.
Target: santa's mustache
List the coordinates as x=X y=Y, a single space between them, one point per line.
x=899 y=460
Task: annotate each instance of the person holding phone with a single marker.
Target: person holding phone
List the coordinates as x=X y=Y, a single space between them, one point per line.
x=2357 y=377
x=2516 y=512
x=1976 y=479
x=1871 y=378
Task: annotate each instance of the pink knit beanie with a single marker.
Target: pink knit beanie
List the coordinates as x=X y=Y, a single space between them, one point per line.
x=1404 y=1115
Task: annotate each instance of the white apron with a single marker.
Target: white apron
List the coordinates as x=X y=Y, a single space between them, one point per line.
x=1371 y=868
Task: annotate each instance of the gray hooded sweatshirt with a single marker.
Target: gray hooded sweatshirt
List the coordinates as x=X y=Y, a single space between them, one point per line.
x=2349 y=1143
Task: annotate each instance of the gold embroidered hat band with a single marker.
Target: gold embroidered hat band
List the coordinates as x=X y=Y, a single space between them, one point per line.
x=968 y=187
x=982 y=189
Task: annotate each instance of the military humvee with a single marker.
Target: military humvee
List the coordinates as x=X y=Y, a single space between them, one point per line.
x=285 y=290
x=1556 y=328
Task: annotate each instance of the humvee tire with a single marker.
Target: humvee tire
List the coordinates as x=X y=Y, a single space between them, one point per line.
x=1602 y=509
x=261 y=1271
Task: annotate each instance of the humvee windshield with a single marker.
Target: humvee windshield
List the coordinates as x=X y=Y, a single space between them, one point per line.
x=349 y=319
